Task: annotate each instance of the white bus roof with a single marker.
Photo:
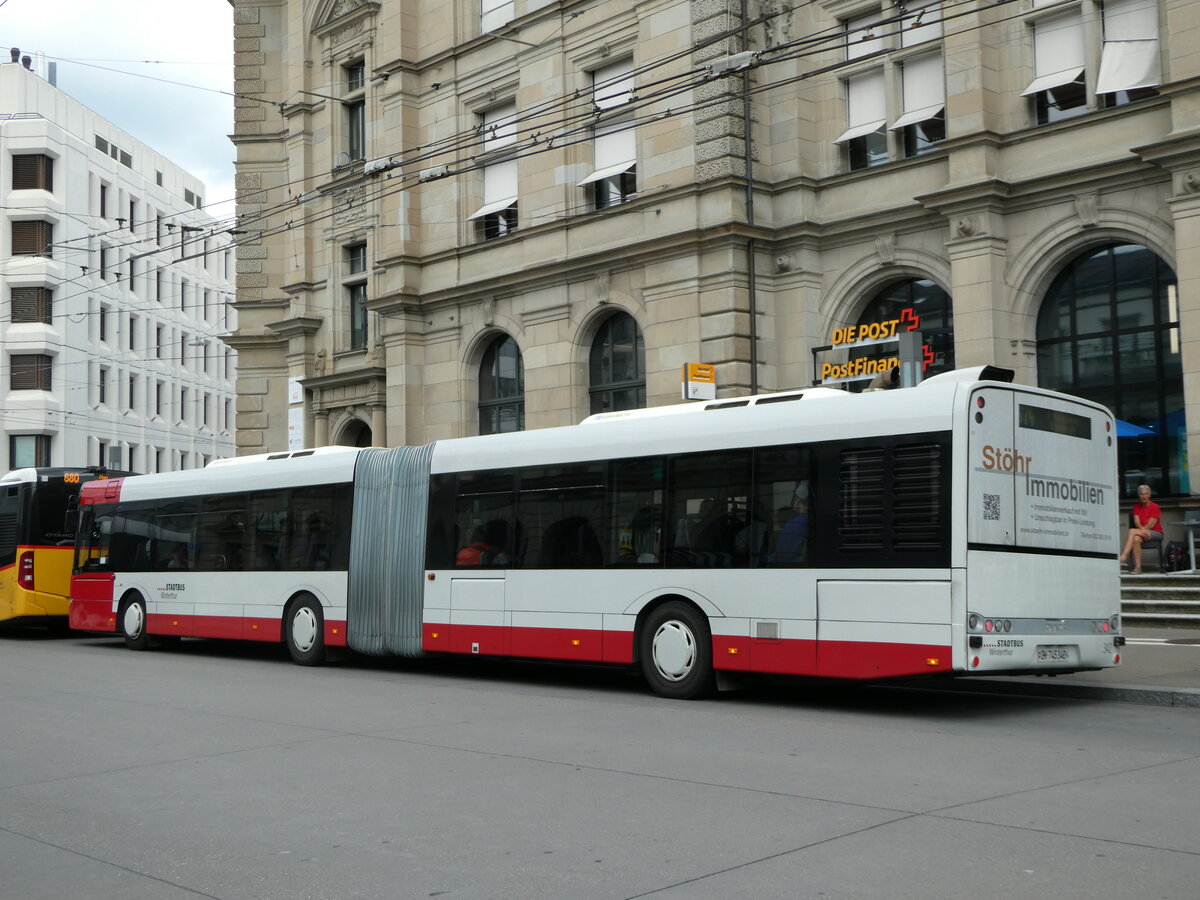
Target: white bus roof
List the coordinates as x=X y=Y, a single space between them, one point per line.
x=796 y=417
x=265 y=471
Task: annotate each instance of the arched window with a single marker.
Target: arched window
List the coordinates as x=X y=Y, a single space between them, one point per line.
x=501 y=388
x=617 y=366
x=932 y=308
x=1108 y=330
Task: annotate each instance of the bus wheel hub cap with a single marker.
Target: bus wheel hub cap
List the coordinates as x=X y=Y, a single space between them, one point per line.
x=304 y=629
x=674 y=650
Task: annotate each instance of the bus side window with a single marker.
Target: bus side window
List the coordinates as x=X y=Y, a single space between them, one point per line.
x=634 y=520
x=561 y=509
x=709 y=508
x=485 y=521
x=442 y=539
x=783 y=498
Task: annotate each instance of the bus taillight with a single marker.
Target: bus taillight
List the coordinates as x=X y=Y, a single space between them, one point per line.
x=25 y=570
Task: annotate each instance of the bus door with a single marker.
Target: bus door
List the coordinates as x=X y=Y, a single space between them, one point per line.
x=10 y=517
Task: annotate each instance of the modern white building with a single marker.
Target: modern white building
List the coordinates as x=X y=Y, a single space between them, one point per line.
x=114 y=294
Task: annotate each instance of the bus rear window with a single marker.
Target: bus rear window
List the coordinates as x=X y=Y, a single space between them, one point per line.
x=1054 y=421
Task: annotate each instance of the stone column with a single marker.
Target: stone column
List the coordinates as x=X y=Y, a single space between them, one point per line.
x=321 y=428
x=379 y=425
x=982 y=317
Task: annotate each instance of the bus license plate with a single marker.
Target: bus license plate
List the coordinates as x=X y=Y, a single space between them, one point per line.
x=1057 y=654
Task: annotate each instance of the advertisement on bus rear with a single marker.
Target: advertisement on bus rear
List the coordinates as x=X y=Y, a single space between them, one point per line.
x=1043 y=473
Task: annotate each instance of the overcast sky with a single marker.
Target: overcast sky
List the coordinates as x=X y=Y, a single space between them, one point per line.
x=102 y=48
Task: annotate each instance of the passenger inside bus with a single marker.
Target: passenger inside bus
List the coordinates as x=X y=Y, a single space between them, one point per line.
x=791 y=544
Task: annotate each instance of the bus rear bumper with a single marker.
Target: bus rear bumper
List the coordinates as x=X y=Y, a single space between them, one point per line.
x=1044 y=654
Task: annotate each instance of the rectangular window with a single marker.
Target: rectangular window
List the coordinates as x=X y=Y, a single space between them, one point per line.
x=561 y=511
x=634 y=528
x=356 y=129
x=132 y=212
x=32 y=304
x=923 y=124
x=32 y=238
x=356 y=259
x=183 y=405
x=866 y=114
x=104 y=251
x=158 y=398
x=129 y=336
x=708 y=508
x=158 y=285
x=783 y=480
x=102 y=386
x=183 y=342
x=613 y=179
x=132 y=405
x=1129 y=64
x=864 y=35
x=27 y=451
x=612 y=85
x=357 y=296
x=484 y=516
x=183 y=293
x=498 y=215
x=104 y=201
x=31 y=371
x=1058 y=88
x=355 y=74
x=494 y=13
x=103 y=322
x=32 y=171
x=159 y=341
x=922 y=23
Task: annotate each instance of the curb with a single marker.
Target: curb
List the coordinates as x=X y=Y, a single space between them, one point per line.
x=1121 y=693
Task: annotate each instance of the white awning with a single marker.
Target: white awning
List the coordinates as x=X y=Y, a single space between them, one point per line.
x=1126 y=65
x=917 y=116
x=494 y=207
x=608 y=172
x=855 y=131
x=1053 y=80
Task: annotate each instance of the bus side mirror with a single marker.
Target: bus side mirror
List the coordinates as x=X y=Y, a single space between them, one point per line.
x=70 y=521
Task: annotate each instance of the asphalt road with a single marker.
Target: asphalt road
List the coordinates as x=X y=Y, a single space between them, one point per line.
x=221 y=770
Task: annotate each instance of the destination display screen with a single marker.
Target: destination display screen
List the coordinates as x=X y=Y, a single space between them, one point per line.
x=1055 y=421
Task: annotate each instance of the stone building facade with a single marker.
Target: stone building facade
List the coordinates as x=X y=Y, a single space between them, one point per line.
x=471 y=215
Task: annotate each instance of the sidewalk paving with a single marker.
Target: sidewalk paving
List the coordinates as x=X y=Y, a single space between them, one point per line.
x=1159 y=666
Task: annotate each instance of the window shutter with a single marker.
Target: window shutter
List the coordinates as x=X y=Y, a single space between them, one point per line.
x=494 y=13
x=613 y=84
x=30 y=372
x=31 y=304
x=866 y=105
x=499 y=188
x=924 y=90
x=33 y=171
x=499 y=129
x=32 y=238
x=1130 y=58
x=922 y=24
x=1058 y=44
x=863 y=36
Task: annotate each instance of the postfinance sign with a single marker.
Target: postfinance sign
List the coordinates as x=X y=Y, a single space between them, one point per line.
x=870 y=334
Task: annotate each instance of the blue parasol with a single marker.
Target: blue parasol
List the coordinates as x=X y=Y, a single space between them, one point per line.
x=1128 y=429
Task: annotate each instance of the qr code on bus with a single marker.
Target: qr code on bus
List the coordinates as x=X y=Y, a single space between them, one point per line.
x=991 y=506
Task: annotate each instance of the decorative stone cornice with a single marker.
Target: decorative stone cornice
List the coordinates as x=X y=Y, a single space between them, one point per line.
x=366 y=374
x=300 y=326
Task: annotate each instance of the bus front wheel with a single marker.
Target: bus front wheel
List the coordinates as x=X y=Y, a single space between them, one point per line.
x=133 y=623
x=676 y=652
x=304 y=631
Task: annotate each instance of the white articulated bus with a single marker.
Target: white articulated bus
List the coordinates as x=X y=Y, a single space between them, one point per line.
x=966 y=526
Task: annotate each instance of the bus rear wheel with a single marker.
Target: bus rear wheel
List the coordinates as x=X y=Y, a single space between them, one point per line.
x=676 y=652
x=304 y=631
x=133 y=623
